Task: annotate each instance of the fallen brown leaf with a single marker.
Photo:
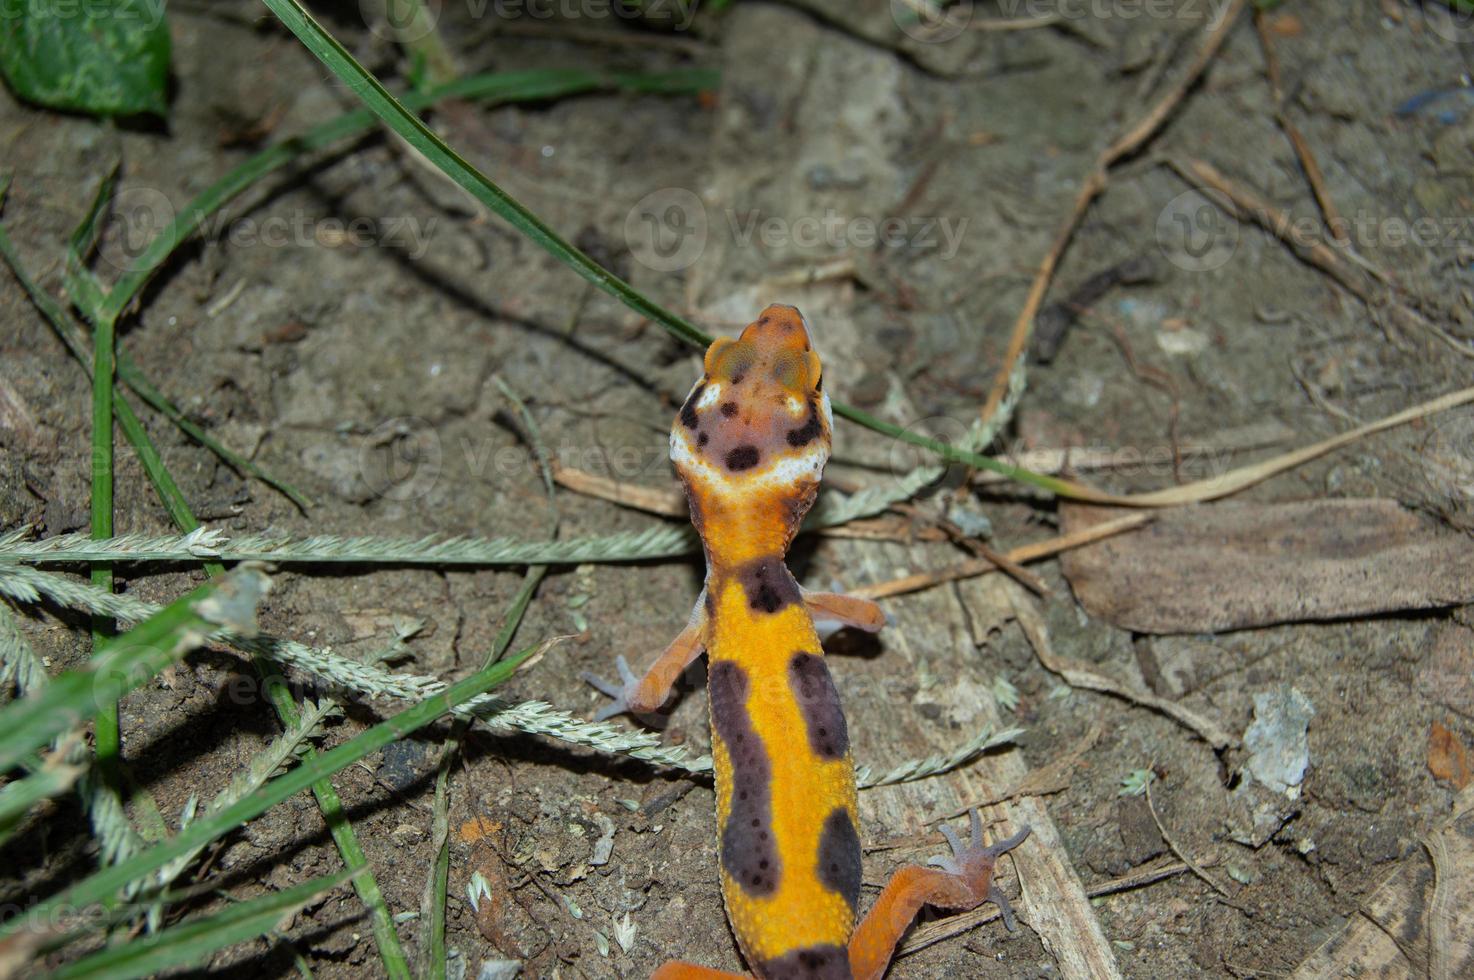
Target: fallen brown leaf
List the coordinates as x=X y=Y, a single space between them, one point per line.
x=1447 y=758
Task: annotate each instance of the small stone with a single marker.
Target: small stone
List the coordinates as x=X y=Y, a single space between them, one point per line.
x=1139 y=835
x=400 y=767
x=1278 y=747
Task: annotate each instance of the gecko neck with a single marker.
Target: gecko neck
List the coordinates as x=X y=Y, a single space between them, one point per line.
x=737 y=528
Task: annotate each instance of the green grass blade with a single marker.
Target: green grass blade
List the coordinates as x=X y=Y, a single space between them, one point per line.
x=124 y=662
x=70 y=332
x=190 y=943
x=106 y=882
x=108 y=741
x=81 y=284
x=386 y=938
x=956 y=454
x=433 y=958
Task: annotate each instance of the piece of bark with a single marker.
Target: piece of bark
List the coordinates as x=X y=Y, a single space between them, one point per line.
x=1230 y=566
x=1420 y=909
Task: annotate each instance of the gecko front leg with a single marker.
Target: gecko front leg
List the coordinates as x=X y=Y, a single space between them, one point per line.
x=831 y=611
x=642 y=695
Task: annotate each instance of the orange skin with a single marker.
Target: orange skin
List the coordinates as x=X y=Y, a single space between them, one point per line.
x=750 y=444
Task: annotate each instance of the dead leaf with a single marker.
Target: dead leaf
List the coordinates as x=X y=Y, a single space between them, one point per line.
x=1231 y=566
x=1447 y=758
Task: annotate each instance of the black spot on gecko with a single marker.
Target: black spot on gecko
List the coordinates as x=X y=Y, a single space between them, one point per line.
x=702 y=438
x=826 y=962
x=818 y=702
x=808 y=432
x=749 y=853
x=688 y=410
x=768 y=585
x=737 y=378
x=729 y=409
x=839 y=856
x=744 y=457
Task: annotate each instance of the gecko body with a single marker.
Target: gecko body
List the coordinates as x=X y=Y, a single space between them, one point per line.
x=750 y=444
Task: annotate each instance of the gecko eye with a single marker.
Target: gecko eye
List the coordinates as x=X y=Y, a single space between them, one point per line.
x=814 y=369
x=729 y=360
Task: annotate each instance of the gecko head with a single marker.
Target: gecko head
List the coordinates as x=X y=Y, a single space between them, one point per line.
x=759 y=417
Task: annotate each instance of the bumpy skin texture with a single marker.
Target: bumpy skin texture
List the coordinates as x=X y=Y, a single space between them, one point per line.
x=750 y=443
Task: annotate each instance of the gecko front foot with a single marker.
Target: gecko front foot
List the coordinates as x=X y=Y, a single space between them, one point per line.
x=643 y=696
x=621 y=691
x=972 y=865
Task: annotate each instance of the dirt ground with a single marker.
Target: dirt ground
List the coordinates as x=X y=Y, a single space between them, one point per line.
x=322 y=355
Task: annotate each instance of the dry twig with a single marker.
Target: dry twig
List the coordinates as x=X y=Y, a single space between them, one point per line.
x=1079 y=675
x=1133 y=139
x=1181 y=856
x=982 y=566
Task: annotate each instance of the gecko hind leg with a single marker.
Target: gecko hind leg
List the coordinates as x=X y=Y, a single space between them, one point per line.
x=642 y=695
x=957 y=883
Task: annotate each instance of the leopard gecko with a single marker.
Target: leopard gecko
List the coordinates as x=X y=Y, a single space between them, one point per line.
x=750 y=444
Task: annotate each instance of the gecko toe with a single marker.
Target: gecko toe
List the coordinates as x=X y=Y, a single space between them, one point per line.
x=621 y=691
